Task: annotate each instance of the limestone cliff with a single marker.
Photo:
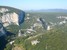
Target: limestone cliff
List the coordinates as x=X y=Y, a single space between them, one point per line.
x=2 y=30
x=10 y=18
x=11 y=15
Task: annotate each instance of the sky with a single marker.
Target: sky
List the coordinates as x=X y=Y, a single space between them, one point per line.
x=35 y=4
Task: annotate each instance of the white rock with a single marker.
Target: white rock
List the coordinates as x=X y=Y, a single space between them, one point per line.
x=28 y=31
x=19 y=33
x=10 y=18
x=38 y=19
x=34 y=42
x=37 y=24
x=62 y=17
x=28 y=14
x=11 y=42
x=27 y=18
x=48 y=27
x=62 y=22
x=2 y=10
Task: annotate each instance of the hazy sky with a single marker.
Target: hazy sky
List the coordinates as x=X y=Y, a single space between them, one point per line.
x=35 y=4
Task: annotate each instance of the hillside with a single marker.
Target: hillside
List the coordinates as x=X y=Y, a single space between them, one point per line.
x=55 y=39
x=11 y=8
x=9 y=17
x=39 y=30
x=44 y=39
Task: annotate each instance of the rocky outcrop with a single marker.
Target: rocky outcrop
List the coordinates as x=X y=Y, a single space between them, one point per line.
x=44 y=24
x=2 y=30
x=11 y=16
x=2 y=10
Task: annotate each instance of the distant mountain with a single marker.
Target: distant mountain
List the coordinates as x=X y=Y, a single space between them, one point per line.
x=49 y=10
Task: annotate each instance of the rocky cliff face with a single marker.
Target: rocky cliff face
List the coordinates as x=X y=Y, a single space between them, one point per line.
x=2 y=30
x=10 y=16
x=2 y=10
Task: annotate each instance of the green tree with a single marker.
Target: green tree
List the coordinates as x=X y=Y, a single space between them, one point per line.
x=8 y=47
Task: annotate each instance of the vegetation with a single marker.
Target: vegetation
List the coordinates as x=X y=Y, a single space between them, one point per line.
x=52 y=40
x=55 y=39
x=8 y=47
